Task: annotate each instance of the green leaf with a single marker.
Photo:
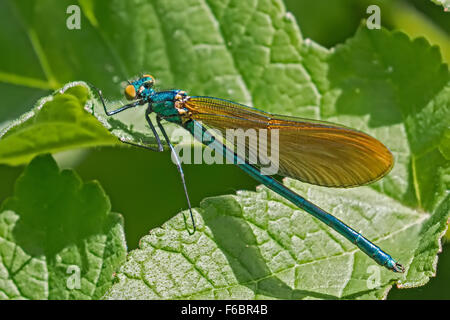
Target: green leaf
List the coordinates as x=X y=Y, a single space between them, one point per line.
x=57 y=122
x=417 y=18
x=58 y=238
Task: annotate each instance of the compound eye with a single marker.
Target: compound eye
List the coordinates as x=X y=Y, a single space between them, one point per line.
x=151 y=81
x=130 y=92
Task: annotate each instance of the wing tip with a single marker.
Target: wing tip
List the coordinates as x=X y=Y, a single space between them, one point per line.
x=387 y=160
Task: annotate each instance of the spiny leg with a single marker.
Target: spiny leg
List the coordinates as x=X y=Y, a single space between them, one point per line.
x=110 y=113
x=149 y=121
x=158 y=140
x=160 y=147
x=146 y=147
x=180 y=170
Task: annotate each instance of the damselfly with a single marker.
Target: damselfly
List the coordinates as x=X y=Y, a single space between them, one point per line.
x=315 y=152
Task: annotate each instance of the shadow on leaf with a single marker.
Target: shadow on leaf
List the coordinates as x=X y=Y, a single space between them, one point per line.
x=235 y=238
x=56 y=209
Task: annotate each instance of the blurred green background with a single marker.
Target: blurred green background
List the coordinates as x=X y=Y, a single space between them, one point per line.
x=145 y=187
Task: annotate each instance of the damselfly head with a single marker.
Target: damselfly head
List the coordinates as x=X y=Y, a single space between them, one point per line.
x=139 y=88
x=130 y=92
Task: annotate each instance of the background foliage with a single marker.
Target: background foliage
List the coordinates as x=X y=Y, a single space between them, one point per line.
x=46 y=56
